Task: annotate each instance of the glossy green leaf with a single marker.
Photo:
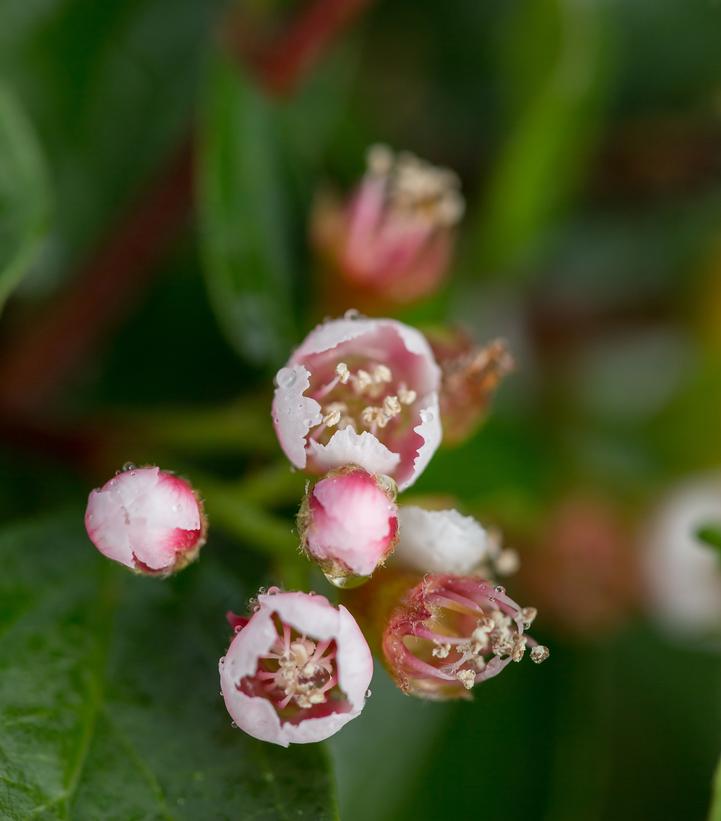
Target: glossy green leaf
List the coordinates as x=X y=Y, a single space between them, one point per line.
x=556 y=55
x=244 y=217
x=109 y=704
x=24 y=194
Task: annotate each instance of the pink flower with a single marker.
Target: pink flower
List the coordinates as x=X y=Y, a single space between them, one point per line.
x=393 y=240
x=360 y=392
x=297 y=670
x=449 y=633
x=147 y=519
x=348 y=523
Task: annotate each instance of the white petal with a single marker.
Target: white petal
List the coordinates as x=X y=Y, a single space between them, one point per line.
x=431 y=431
x=293 y=413
x=346 y=447
x=439 y=541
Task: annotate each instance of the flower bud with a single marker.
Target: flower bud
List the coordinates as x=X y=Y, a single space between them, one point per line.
x=470 y=376
x=445 y=541
x=443 y=634
x=348 y=523
x=391 y=243
x=147 y=519
x=297 y=670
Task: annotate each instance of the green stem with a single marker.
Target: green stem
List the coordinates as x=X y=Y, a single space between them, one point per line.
x=241 y=427
x=231 y=511
x=715 y=809
x=273 y=485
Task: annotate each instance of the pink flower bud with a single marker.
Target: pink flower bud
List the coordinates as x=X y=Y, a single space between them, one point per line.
x=348 y=523
x=297 y=670
x=147 y=519
x=449 y=633
x=470 y=376
x=360 y=392
x=392 y=243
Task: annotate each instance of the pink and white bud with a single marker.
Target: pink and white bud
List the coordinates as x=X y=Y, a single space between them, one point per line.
x=360 y=392
x=471 y=374
x=445 y=541
x=147 y=519
x=348 y=523
x=392 y=242
x=449 y=633
x=682 y=575
x=297 y=670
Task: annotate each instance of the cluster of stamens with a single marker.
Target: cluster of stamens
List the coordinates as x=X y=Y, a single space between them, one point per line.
x=417 y=188
x=468 y=631
x=297 y=670
x=362 y=397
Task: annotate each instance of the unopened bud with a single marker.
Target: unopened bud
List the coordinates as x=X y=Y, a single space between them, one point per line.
x=348 y=523
x=147 y=519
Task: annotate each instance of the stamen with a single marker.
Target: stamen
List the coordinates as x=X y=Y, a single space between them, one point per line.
x=467 y=678
x=391 y=407
x=406 y=396
x=539 y=653
x=342 y=372
x=382 y=373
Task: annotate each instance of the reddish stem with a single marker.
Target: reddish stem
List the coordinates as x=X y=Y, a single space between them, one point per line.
x=36 y=364
x=284 y=63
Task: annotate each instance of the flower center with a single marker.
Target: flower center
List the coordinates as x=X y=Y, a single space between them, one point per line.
x=366 y=397
x=415 y=189
x=295 y=671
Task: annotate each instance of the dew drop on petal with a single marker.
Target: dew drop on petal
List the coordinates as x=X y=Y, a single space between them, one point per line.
x=285 y=378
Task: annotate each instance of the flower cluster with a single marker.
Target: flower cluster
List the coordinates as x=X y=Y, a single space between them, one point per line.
x=360 y=407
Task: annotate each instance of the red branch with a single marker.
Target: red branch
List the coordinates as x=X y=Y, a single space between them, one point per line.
x=37 y=362
x=284 y=63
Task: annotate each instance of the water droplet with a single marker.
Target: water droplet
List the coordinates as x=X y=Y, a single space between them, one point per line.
x=233 y=725
x=127 y=466
x=368 y=693
x=492 y=599
x=285 y=378
x=346 y=581
x=352 y=313
x=222 y=659
x=500 y=589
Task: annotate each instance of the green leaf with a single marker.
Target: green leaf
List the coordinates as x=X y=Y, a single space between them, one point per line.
x=24 y=194
x=562 y=91
x=244 y=217
x=109 y=704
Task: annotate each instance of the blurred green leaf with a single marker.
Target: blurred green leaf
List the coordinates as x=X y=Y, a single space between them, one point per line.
x=561 y=92
x=24 y=194
x=109 y=702
x=245 y=235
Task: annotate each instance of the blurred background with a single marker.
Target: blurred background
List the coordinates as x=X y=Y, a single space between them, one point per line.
x=159 y=165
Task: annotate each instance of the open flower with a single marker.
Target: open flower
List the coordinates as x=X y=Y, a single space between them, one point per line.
x=297 y=670
x=147 y=519
x=360 y=392
x=445 y=541
x=449 y=633
x=348 y=523
x=392 y=242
